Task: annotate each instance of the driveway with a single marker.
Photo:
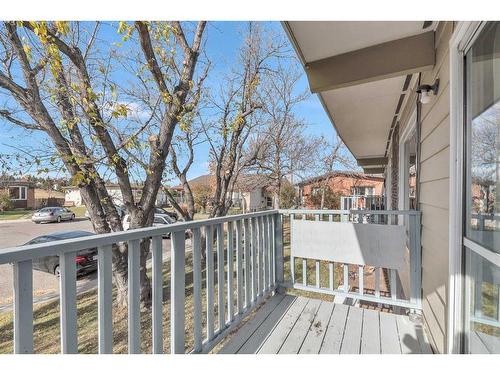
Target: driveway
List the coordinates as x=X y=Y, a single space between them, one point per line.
x=45 y=285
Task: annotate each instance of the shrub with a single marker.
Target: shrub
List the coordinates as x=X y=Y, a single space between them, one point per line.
x=5 y=203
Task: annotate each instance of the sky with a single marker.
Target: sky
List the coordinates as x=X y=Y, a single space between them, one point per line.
x=223 y=40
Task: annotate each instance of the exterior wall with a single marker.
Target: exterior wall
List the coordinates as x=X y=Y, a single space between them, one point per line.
x=395 y=168
x=29 y=202
x=433 y=188
x=342 y=185
x=73 y=197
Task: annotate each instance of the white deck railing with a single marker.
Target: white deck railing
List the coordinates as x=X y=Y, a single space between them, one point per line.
x=250 y=258
x=359 y=239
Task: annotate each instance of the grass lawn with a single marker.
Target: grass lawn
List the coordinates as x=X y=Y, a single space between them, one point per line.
x=79 y=211
x=15 y=214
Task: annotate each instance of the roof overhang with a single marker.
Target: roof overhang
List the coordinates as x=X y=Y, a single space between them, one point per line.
x=361 y=72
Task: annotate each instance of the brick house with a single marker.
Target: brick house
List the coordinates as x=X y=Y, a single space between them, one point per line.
x=342 y=183
x=21 y=193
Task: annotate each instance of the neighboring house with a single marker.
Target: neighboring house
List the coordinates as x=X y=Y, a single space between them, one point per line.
x=342 y=183
x=45 y=198
x=74 y=198
x=251 y=192
x=21 y=193
x=420 y=103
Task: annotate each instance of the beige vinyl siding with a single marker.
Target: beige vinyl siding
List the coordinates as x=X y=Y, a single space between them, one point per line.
x=434 y=192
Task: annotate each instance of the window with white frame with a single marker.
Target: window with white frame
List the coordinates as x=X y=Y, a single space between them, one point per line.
x=363 y=190
x=18 y=193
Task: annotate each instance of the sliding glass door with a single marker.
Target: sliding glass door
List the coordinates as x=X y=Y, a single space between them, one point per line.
x=482 y=191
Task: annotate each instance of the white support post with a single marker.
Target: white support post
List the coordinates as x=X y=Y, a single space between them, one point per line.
x=210 y=282
x=230 y=272
x=248 y=286
x=220 y=277
x=361 y=285
x=157 y=314
x=67 y=282
x=331 y=275
x=346 y=278
x=317 y=274
x=239 y=269
x=197 y=322
x=254 y=260
x=304 y=272
x=178 y=292
x=23 y=307
x=292 y=258
x=105 y=299
x=134 y=297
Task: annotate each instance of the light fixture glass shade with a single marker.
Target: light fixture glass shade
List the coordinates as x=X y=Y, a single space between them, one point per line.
x=425 y=97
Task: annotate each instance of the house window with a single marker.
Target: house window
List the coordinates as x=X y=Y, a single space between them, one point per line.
x=481 y=188
x=363 y=190
x=269 y=201
x=315 y=190
x=18 y=193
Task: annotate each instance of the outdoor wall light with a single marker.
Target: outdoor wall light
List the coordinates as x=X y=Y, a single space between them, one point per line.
x=424 y=91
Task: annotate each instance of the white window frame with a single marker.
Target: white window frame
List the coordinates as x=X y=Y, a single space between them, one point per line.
x=462 y=37
x=403 y=174
x=23 y=188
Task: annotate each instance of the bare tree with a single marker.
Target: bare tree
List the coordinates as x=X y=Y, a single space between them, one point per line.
x=284 y=149
x=237 y=108
x=58 y=77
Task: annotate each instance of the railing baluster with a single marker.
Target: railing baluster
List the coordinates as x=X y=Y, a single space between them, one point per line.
x=230 y=275
x=278 y=255
x=134 y=294
x=377 y=282
x=260 y=263
x=239 y=269
x=270 y=251
x=23 y=307
x=331 y=275
x=210 y=282
x=248 y=241
x=220 y=276
x=157 y=314
x=346 y=278
x=197 y=278
x=105 y=299
x=304 y=271
x=361 y=277
x=316 y=217
x=317 y=274
x=292 y=258
x=178 y=292
x=254 y=260
x=67 y=282
x=393 y=284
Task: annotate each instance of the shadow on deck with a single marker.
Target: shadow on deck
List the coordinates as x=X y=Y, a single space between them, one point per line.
x=288 y=324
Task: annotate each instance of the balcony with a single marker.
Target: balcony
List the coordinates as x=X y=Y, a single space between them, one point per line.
x=279 y=281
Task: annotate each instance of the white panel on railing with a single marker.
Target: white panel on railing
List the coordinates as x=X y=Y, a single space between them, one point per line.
x=292 y=259
x=239 y=269
x=105 y=299
x=260 y=252
x=67 y=282
x=197 y=277
x=23 y=307
x=178 y=292
x=304 y=272
x=230 y=275
x=210 y=281
x=267 y=257
x=134 y=297
x=373 y=244
x=157 y=314
x=220 y=276
x=248 y=281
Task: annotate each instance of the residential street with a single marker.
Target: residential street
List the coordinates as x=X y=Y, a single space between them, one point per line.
x=45 y=285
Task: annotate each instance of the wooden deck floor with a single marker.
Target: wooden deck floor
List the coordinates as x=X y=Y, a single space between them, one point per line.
x=289 y=324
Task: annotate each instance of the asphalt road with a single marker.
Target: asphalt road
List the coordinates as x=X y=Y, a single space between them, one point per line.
x=45 y=285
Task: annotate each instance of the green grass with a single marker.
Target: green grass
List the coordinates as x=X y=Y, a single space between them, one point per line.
x=79 y=211
x=15 y=214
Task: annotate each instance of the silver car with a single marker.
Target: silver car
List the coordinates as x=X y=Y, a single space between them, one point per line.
x=52 y=214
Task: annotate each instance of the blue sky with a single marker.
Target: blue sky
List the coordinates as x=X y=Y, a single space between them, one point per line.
x=223 y=40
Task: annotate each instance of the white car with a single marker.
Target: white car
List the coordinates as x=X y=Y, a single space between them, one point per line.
x=158 y=221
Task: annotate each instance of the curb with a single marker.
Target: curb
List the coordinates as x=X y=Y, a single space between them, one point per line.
x=14 y=221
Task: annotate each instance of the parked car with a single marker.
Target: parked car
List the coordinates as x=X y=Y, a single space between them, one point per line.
x=86 y=260
x=158 y=221
x=162 y=211
x=52 y=214
x=120 y=209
